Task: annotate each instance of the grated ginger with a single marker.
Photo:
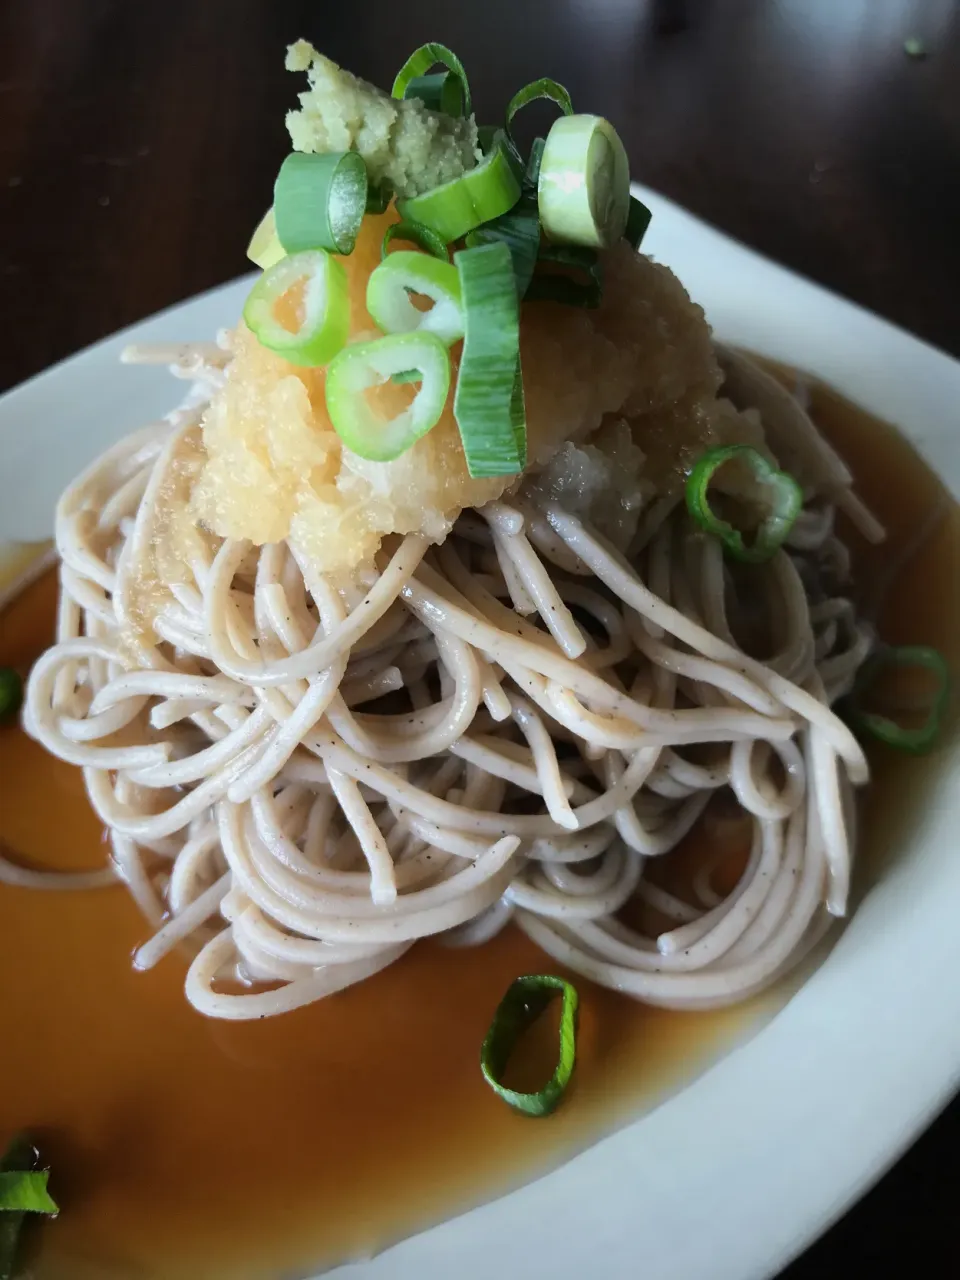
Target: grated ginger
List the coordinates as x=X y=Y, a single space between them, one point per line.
x=403 y=143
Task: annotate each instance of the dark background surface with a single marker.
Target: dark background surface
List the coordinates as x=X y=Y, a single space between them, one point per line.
x=139 y=142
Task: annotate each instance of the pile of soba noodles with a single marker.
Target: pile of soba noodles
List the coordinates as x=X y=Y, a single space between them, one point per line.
x=327 y=708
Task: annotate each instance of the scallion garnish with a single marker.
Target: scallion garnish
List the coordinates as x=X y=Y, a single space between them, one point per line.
x=563 y=290
x=442 y=91
x=915 y=741
x=584 y=183
x=264 y=248
x=583 y=290
x=520 y=232
x=524 y=1002
x=531 y=174
x=378 y=198
x=518 y=412
x=11 y=692
x=421 y=61
x=320 y=318
x=25 y=1192
x=543 y=88
x=486 y=136
x=481 y=194
x=406 y=272
x=486 y=408
x=785 y=501
x=319 y=201
x=573 y=189
x=638 y=219
x=23 y=1189
x=364 y=365
x=414 y=233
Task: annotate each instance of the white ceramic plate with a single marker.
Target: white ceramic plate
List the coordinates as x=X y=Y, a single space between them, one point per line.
x=732 y=1177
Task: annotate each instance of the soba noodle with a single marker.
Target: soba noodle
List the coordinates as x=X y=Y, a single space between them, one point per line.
x=270 y=805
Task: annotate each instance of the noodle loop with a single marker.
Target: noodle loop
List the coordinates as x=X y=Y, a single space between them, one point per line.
x=303 y=776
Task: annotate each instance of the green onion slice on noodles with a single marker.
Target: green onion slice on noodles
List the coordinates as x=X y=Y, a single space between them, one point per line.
x=442 y=91
x=319 y=201
x=584 y=289
x=406 y=272
x=421 y=61
x=25 y=1192
x=525 y=1000
x=784 y=496
x=378 y=198
x=565 y=291
x=584 y=182
x=416 y=234
x=543 y=88
x=531 y=176
x=638 y=219
x=488 y=403
x=486 y=136
x=320 y=317
x=365 y=365
x=915 y=741
x=22 y=1190
x=481 y=194
x=520 y=232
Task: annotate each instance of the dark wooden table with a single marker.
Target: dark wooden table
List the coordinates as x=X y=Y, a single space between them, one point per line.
x=139 y=141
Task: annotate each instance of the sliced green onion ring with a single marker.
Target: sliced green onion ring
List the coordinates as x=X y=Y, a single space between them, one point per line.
x=25 y=1191
x=442 y=91
x=20 y=1160
x=480 y=195
x=319 y=200
x=11 y=692
x=324 y=309
x=364 y=365
x=638 y=219
x=914 y=741
x=486 y=405
x=543 y=88
x=489 y=135
x=525 y=1000
x=406 y=272
x=584 y=183
x=414 y=233
x=786 y=499
x=572 y=255
x=422 y=60
x=520 y=232
x=265 y=248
